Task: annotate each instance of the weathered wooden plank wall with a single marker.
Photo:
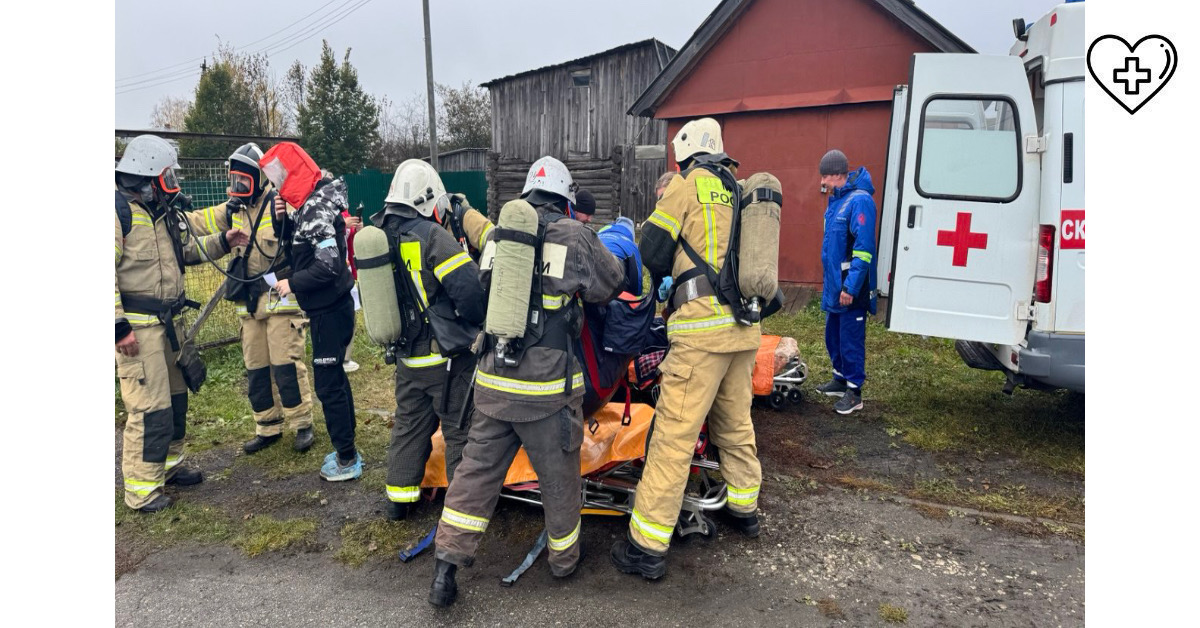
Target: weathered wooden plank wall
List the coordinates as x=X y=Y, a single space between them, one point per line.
x=546 y=113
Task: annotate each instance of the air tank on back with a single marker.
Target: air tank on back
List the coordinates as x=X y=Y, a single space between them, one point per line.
x=377 y=286
x=758 y=252
x=512 y=277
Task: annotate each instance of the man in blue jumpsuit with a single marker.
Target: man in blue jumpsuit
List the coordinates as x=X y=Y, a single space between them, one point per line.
x=848 y=260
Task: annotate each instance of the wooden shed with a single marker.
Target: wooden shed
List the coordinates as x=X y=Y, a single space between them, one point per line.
x=576 y=111
x=789 y=80
x=462 y=160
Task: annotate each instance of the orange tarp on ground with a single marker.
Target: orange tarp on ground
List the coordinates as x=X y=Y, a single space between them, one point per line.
x=611 y=442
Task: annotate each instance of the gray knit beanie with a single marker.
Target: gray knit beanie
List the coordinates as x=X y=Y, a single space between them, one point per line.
x=834 y=162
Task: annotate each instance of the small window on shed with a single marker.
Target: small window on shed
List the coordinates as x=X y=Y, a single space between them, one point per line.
x=581 y=78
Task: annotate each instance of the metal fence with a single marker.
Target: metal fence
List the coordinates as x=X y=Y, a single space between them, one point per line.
x=205 y=180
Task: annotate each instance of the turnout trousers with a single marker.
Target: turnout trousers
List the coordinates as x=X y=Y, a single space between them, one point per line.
x=156 y=403
x=696 y=384
x=846 y=341
x=419 y=410
x=277 y=378
x=553 y=445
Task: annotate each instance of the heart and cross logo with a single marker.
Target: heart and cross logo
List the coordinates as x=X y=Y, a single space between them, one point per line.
x=1132 y=75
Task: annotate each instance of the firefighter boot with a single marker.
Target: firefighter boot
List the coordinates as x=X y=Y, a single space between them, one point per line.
x=397 y=511
x=186 y=476
x=304 y=439
x=444 y=589
x=747 y=524
x=629 y=558
x=259 y=443
x=162 y=502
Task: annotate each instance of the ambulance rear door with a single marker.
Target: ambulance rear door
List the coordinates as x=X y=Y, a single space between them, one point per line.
x=966 y=238
x=889 y=215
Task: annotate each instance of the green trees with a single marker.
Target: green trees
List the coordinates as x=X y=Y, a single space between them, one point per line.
x=337 y=121
x=235 y=95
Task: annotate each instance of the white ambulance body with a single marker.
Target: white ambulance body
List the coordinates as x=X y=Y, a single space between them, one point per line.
x=982 y=224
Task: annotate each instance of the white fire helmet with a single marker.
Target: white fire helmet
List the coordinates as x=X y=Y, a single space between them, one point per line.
x=417 y=185
x=148 y=156
x=550 y=175
x=702 y=135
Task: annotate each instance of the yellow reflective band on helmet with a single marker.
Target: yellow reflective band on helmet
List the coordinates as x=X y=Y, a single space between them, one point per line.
x=487 y=228
x=664 y=220
x=141 y=489
x=403 y=494
x=140 y=319
x=863 y=255
x=659 y=533
x=554 y=303
x=463 y=521
x=561 y=545
x=448 y=266
x=520 y=387
x=432 y=359
x=742 y=496
x=684 y=326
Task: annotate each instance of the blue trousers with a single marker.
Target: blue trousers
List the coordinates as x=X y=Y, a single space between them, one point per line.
x=846 y=340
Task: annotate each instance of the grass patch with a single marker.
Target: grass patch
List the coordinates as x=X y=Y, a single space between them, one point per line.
x=931 y=400
x=364 y=539
x=1010 y=499
x=856 y=482
x=893 y=614
x=829 y=608
x=185 y=521
x=268 y=534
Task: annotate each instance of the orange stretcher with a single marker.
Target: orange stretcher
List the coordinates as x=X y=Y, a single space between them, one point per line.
x=610 y=463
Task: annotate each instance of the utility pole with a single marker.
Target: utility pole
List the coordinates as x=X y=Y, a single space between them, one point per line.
x=433 y=146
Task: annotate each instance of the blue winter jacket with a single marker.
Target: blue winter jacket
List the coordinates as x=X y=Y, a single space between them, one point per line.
x=849 y=237
x=618 y=238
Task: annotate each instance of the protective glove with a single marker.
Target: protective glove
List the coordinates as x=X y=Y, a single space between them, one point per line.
x=664 y=288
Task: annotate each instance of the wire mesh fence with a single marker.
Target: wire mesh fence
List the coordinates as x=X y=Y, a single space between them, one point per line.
x=205 y=181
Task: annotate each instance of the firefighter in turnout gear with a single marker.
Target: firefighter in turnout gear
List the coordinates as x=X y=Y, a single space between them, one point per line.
x=708 y=368
x=532 y=396
x=155 y=363
x=272 y=329
x=438 y=287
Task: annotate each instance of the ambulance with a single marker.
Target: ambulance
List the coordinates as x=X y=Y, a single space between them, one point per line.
x=982 y=228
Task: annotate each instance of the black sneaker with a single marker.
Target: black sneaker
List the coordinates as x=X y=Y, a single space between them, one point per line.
x=304 y=439
x=162 y=502
x=835 y=387
x=849 y=402
x=186 y=476
x=259 y=443
x=444 y=589
x=629 y=558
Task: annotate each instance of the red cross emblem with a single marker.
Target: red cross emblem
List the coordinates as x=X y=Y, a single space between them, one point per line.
x=962 y=239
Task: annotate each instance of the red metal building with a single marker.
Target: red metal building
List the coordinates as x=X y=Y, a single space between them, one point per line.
x=789 y=80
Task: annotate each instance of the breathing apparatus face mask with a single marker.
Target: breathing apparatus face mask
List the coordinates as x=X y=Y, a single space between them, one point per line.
x=244 y=182
x=140 y=187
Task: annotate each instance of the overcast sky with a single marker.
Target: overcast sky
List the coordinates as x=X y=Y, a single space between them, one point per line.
x=159 y=45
